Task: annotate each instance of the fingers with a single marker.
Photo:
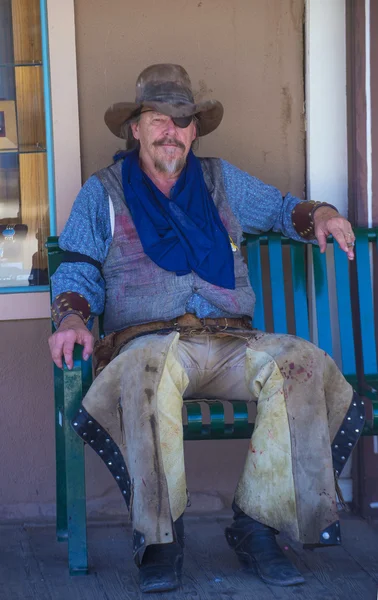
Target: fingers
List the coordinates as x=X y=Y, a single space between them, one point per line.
x=56 y=346
x=322 y=240
x=350 y=241
x=339 y=236
x=62 y=345
x=88 y=343
x=345 y=240
x=350 y=252
x=68 y=347
x=342 y=232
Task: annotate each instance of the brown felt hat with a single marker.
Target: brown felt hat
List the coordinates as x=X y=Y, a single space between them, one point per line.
x=167 y=89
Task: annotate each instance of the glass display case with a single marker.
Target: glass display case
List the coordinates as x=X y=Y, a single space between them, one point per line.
x=25 y=181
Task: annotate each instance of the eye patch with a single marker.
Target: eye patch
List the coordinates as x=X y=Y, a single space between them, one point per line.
x=182 y=122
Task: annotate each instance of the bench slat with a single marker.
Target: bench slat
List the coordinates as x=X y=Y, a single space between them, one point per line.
x=241 y=424
x=277 y=284
x=344 y=308
x=299 y=283
x=322 y=301
x=255 y=276
x=217 y=423
x=194 y=414
x=365 y=296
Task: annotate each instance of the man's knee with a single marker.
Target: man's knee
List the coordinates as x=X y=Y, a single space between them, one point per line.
x=291 y=347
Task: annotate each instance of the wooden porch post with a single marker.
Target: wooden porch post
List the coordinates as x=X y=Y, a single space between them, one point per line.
x=362 y=109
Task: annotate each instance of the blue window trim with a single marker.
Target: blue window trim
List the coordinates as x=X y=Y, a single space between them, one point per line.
x=49 y=146
x=48 y=116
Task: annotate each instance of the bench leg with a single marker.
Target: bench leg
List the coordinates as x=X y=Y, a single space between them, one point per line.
x=60 y=458
x=76 y=504
x=61 y=489
x=75 y=477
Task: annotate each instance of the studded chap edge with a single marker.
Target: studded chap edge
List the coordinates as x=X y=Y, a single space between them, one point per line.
x=97 y=438
x=342 y=446
x=348 y=434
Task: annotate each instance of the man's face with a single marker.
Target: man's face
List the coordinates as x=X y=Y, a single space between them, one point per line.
x=162 y=143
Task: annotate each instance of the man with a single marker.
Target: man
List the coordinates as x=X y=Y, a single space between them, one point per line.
x=154 y=242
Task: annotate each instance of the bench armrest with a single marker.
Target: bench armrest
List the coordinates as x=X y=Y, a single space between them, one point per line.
x=75 y=383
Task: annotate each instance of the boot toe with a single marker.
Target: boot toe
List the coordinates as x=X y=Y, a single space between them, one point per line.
x=158 y=578
x=161 y=568
x=258 y=551
x=280 y=572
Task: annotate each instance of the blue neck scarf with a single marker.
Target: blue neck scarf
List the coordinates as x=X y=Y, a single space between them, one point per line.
x=183 y=233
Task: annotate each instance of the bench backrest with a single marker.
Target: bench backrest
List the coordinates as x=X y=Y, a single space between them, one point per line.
x=329 y=294
x=309 y=294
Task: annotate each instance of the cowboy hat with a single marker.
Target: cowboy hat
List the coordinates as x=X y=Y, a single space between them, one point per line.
x=167 y=89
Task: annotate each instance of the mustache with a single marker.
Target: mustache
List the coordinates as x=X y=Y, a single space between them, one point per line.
x=171 y=141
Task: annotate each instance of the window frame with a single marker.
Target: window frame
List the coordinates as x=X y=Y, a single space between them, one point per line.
x=63 y=144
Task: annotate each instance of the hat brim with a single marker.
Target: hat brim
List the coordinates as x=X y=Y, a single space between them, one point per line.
x=209 y=114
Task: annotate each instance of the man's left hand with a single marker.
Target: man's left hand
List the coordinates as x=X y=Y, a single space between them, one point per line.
x=327 y=221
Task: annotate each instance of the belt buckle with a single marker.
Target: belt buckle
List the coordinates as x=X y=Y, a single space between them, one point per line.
x=205 y=326
x=217 y=326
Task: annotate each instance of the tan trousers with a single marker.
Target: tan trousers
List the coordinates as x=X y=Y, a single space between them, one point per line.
x=302 y=398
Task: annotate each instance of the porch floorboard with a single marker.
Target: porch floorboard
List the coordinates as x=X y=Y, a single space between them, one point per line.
x=34 y=566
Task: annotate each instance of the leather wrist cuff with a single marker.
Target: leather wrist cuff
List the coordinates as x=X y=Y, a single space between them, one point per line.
x=302 y=217
x=70 y=303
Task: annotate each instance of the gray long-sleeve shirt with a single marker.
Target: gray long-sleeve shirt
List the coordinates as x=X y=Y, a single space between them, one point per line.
x=257 y=206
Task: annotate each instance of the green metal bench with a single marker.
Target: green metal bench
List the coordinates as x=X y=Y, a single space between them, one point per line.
x=301 y=279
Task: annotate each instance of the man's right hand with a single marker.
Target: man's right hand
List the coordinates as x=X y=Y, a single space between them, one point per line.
x=70 y=332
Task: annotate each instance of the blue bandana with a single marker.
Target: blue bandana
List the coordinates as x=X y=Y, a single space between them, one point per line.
x=183 y=233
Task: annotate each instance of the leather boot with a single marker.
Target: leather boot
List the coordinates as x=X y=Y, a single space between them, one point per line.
x=257 y=549
x=161 y=566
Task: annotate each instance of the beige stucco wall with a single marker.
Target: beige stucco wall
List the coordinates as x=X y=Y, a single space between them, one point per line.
x=246 y=53
x=249 y=55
